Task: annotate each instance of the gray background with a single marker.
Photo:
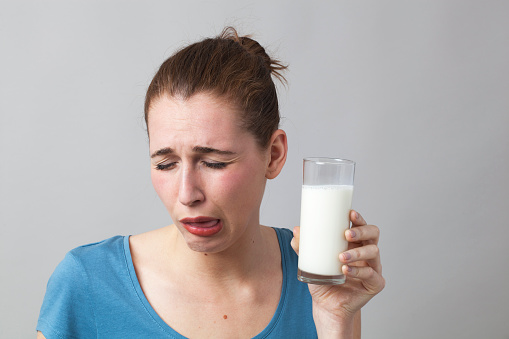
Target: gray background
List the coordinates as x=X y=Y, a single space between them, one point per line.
x=416 y=92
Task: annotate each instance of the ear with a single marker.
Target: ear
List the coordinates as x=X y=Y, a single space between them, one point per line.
x=278 y=149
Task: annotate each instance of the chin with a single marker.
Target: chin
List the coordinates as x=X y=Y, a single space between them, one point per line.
x=204 y=245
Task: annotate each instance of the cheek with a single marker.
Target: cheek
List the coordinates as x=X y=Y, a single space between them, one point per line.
x=160 y=184
x=156 y=180
x=242 y=186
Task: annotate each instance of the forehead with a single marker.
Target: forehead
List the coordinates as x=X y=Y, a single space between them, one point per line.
x=203 y=119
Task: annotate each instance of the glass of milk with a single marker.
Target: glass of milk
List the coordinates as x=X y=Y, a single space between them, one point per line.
x=325 y=216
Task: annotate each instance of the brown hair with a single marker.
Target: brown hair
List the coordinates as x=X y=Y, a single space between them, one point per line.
x=235 y=68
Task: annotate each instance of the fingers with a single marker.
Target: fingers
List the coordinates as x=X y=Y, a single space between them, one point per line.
x=357 y=219
x=368 y=233
x=295 y=239
x=373 y=281
x=368 y=253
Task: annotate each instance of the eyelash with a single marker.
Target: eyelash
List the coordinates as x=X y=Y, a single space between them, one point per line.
x=214 y=165
x=162 y=167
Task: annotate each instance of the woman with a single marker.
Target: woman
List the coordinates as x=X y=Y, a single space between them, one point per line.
x=212 y=118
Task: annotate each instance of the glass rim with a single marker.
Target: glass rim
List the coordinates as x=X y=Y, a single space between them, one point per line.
x=328 y=160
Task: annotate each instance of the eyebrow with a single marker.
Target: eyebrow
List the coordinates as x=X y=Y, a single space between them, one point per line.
x=196 y=149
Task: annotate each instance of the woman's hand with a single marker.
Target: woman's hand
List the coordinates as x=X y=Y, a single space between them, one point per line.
x=335 y=306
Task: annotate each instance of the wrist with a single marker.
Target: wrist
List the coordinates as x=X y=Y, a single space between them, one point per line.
x=333 y=325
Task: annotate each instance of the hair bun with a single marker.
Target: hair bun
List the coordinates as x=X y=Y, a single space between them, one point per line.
x=254 y=48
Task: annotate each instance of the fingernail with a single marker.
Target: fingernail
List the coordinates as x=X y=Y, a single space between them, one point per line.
x=352 y=234
x=348 y=268
x=347 y=256
x=357 y=216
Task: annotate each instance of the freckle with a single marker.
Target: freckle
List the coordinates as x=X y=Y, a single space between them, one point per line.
x=225 y=316
x=205 y=253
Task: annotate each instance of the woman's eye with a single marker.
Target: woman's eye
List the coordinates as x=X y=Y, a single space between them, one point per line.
x=167 y=166
x=215 y=165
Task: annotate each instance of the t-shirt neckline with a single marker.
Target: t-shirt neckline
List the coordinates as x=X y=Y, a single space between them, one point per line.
x=169 y=330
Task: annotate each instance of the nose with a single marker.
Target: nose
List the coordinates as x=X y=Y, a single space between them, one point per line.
x=190 y=192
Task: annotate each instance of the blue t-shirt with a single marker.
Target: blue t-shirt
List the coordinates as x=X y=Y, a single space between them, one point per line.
x=94 y=293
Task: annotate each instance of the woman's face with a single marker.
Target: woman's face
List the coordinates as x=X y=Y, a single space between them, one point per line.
x=208 y=171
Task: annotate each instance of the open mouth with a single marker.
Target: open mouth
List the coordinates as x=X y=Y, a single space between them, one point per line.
x=202 y=226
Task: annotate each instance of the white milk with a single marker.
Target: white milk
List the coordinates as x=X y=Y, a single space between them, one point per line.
x=324 y=219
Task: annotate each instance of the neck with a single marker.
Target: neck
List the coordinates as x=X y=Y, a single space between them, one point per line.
x=251 y=255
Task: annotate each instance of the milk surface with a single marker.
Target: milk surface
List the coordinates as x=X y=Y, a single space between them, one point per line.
x=325 y=216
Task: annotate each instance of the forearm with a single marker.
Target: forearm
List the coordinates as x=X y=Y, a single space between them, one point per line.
x=329 y=326
x=357 y=325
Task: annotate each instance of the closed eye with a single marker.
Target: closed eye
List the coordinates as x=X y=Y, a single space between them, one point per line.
x=171 y=165
x=168 y=166
x=215 y=165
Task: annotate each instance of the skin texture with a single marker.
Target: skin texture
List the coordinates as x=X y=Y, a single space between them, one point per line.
x=203 y=164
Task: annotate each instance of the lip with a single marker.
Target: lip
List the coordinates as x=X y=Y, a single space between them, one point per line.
x=202 y=226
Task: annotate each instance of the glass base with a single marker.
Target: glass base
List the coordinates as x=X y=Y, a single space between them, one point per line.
x=319 y=279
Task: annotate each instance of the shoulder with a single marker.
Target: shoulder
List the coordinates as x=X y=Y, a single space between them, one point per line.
x=284 y=233
x=68 y=306
x=106 y=253
x=90 y=257
x=284 y=236
x=97 y=248
x=75 y=267
x=76 y=261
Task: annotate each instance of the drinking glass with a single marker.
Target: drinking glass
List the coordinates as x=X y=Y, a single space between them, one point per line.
x=326 y=202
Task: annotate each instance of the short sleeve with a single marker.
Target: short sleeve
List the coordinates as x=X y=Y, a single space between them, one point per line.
x=67 y=310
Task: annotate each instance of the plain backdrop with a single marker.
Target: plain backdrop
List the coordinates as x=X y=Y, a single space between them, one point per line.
x=416 y=92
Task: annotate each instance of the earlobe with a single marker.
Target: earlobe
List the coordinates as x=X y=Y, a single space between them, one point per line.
x=278 y=147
